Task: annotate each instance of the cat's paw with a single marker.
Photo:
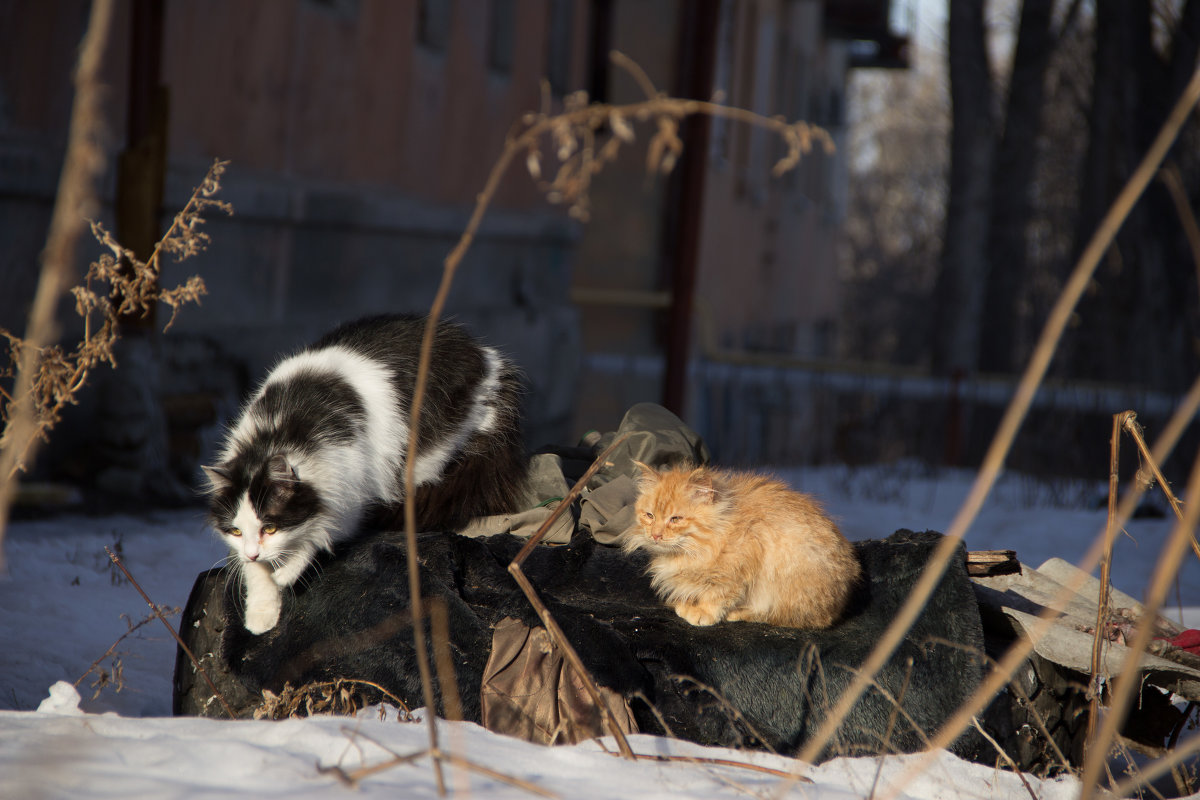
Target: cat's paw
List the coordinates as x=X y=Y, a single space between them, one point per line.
x=261 y=617
x=698 y=615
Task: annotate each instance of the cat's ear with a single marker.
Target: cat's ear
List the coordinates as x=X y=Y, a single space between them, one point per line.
x=218 y=478
x=701 y=484
x=278 y=469
x=649 y=473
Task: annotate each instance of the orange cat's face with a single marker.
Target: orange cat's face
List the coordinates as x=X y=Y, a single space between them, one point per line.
x=671 y=504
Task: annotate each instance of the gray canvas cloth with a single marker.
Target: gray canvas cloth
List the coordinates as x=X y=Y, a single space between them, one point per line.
x=653 y=436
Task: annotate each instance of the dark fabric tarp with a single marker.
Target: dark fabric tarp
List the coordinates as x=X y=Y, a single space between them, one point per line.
x=731 y=684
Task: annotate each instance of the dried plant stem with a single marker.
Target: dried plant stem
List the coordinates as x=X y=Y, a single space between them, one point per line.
x=556 y=634
x=1099 y=638
x=353 y=777
x=1125 y=683
x=398 y=702
x=1007 y=758
x=891 y=727
x=560 y=640
x=112 y=648
x=157 y=612
x=439 y=625
x=1010 y=423
x=414 y=598
x=1020 y=649
x=1170 y=177
x=660 y=155
x=715 y=762
x=1135 y=431
x=897 y=707
x=76 y=199
x=732 y=711
x=599 y=463
x=1156 y=769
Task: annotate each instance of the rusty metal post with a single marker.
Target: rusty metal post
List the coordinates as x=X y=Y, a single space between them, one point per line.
x=697 y=59
x=141 y=166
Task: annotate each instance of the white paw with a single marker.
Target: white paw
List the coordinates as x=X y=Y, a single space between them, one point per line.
x=262 y=616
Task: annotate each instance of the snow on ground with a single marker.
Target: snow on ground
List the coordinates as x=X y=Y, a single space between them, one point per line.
x=63 y=604
x=63 y=755
x=1037 y=519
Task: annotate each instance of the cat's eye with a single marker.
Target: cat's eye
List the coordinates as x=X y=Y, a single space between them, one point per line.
x=268 y=529
x=675 y=520
x=235 y=531
x=646 y=515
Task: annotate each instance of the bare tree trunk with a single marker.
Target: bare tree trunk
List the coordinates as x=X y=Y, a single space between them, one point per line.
x=1012 y=202
x=1130 y=327
x=1107 y=164
x=1173 y=308
x=964 y=269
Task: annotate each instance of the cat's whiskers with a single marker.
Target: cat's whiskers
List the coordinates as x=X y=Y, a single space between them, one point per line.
x=310 y=576
x=224 y=561
x=282 y=556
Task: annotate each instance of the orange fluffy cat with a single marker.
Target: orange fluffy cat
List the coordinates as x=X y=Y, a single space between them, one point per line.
x=741 y=546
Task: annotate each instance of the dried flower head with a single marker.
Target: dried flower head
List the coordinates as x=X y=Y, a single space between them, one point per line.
x=117 y=284
x=584 y=138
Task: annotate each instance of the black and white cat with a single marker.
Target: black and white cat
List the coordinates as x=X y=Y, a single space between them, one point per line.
x=323 y=441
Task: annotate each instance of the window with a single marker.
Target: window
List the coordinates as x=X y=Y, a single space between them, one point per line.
x=559 y=30
x=433 y=23
x=341 y=9
x=501 y=33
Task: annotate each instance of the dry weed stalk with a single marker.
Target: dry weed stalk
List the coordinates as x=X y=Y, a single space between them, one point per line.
x=83 y=164
x=130 y=287
x=1165 y=764
x=712 y=762
x=156 y=611
x=343 y=696
x=104 y=678
x=1124 y=422
x=574 y=136
x=736 y=717
x=1170 y=177
x=1125 y=683
x=1004 y=756
x=1014 y=416
x=353 y=777
x=439 y=627
x=1135 y=432
x=1016 y=654
x=1099 y=640
x=556 y=633
x=46 y=378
